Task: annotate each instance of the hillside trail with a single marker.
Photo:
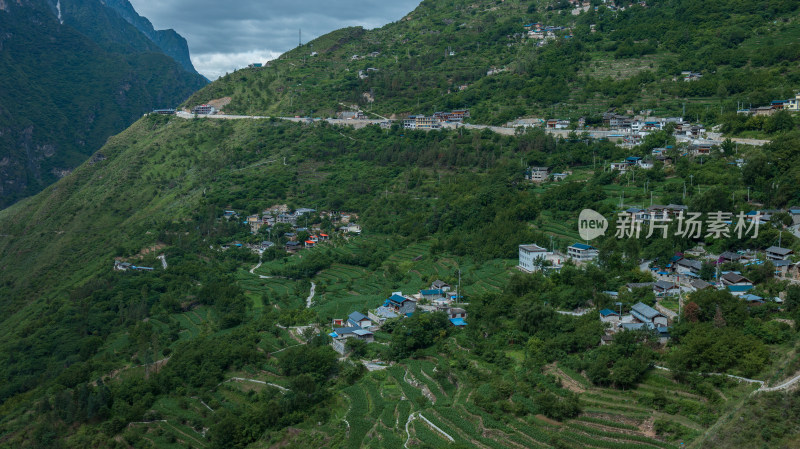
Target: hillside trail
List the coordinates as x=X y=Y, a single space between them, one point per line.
x=788 y=383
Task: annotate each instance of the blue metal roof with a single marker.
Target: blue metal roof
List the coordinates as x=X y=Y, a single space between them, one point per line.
x=739 y=288
x=436 y=291
x=608 y=312
x=582 y=246
x=357 y=316
x=397 y=299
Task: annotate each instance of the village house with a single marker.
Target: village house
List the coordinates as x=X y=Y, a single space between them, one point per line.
x=122 y=266
x=699 y=284
x=359 y=319
x=637 y=285
x=531 y=257
x=793 y=104
x=351 y=228
x=646 y=314
x=700 y=148
x=341 y=334
x=381 y=314
x=432 y=294
x=441 y=285
x=537 y=174
x=581 y=252
x=729 y=256
x=665 y=288
x=735 y=283
x=204 y=109
x=621 y=167
x=609 y=316
x=401 y=305
x=688 y=267
x=778 y=253
x=351 y=115
x=423 y=122
x=751 y=299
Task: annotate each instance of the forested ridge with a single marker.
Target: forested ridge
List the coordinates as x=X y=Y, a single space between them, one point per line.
x=612 y=56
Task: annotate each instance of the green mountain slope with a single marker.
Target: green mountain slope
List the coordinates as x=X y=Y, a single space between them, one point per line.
x=69 y=86
x=628 y=59
x=82 y=344
x=206 y=352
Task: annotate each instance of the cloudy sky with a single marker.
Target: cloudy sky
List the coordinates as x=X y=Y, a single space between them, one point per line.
x=227 y=34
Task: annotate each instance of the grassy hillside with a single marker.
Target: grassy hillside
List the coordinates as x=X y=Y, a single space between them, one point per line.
x=96 y=351
x=438 y=57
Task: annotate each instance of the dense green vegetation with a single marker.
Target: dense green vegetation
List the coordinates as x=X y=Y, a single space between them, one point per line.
x=114 y=348
x=629 y=59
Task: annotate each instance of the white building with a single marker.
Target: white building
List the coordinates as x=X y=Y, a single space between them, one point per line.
x=582 y=252
x=531 y=257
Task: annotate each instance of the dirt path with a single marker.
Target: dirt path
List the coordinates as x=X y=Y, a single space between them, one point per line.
x=568 y=382
x=244 y=379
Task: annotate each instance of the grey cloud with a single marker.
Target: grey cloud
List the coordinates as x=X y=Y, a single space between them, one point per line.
x=222 y=34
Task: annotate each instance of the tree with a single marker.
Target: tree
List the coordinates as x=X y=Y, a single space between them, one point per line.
x=719 y=320
x=691 y=312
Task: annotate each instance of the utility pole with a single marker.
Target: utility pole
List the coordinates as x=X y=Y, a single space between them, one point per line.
x=459 y=283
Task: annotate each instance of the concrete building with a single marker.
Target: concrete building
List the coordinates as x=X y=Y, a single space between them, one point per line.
x=582 y=252
x=531 y=257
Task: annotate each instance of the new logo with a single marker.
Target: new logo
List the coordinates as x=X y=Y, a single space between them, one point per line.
x=591 y=224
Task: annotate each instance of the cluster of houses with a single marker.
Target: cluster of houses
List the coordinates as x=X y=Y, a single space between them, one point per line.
x=545 y=33
x=685 y=272
x=641 y=317
x=437 y=298
x=642 y=125
x=792 y=104
x=534 y=258
x=542 y=174
x=435 y=121
x=281 y=214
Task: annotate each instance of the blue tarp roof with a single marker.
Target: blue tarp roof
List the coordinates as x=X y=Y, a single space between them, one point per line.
x=458 y=321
